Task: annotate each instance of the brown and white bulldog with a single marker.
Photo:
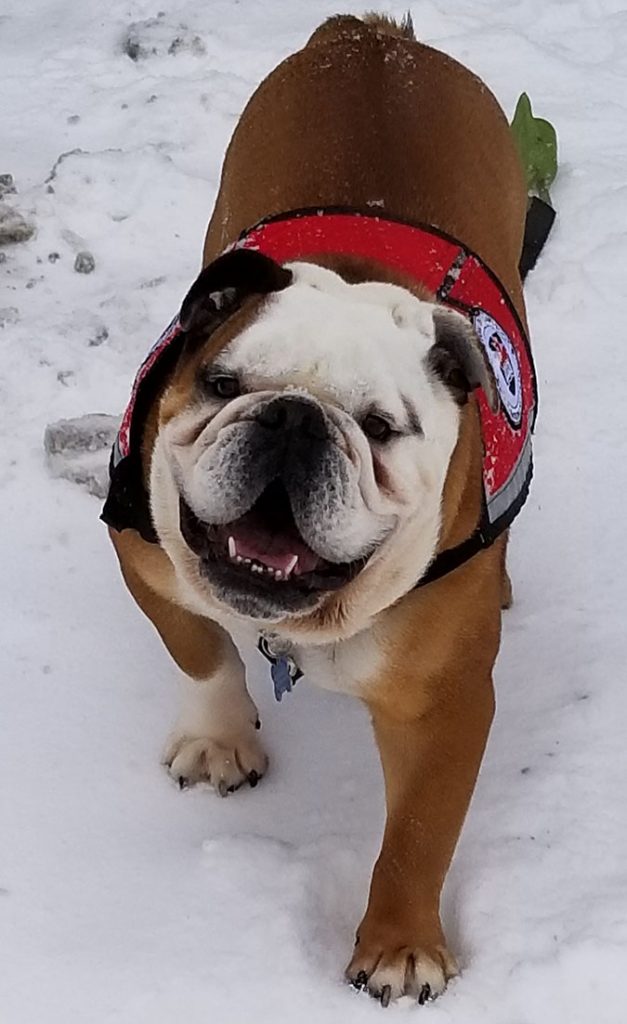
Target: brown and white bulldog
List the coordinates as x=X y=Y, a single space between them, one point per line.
x=313 y=446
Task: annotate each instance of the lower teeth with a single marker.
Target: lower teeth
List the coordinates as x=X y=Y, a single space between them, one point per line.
x=258 y=568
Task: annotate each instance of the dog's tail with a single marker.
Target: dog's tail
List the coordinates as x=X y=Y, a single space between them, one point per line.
x=384 y=23
x=379 y=22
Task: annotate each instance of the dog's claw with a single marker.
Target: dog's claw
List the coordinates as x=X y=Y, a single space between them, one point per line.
x=425 y=994
x=222 y=788
x=253 y=778
x=258 y=724
x=386 y=993
x=360 y=981
x=183 y=782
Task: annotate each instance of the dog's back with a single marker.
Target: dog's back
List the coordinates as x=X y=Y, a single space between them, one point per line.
x=422 y=139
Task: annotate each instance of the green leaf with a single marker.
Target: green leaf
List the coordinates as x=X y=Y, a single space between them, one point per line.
x=537 y=144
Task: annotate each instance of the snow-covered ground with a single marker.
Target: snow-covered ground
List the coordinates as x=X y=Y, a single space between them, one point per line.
x=123 y=900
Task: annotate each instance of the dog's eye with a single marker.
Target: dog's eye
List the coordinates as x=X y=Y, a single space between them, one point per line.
x=224 y=386
x=376 y=427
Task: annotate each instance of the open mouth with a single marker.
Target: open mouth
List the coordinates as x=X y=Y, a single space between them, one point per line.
x=263 y=550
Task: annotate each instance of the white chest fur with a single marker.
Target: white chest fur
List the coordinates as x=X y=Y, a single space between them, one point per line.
x=349 y=666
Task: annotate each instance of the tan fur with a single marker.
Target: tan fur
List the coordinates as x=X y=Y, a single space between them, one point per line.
x=195 y=643
x=363 y=113
x=359 y=116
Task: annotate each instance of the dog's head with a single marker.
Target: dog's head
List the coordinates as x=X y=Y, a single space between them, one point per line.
x=304 y=441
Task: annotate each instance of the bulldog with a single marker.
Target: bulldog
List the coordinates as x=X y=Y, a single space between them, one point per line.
x=324 y=450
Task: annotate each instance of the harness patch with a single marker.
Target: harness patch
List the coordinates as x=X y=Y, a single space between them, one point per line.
x=504 y=362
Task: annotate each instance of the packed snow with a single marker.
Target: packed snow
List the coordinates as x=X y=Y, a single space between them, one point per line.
x=122 y=899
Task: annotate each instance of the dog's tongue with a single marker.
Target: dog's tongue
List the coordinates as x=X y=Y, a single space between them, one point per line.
x=274 y=550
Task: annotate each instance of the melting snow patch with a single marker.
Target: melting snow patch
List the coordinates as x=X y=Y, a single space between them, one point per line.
x=78 y=450
x=158 y=36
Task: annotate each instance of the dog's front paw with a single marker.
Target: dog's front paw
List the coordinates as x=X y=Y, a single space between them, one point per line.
x=227 y=763
x=390 y=965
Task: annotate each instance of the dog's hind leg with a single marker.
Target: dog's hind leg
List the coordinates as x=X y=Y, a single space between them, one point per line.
x=507 y=591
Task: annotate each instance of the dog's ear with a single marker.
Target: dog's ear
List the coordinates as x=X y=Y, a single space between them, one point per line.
x=221 y=288
x=458 y=359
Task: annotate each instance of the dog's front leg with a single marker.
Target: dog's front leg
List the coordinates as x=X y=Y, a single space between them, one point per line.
x=215 y=739
x=430 y=764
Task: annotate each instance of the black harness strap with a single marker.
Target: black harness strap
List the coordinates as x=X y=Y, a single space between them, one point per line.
x=538 y=224
x=449 y=560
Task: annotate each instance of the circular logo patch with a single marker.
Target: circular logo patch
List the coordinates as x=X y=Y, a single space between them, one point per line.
x=504 y=362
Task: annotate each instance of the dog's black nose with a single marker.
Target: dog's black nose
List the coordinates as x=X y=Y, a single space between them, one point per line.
x=294 y=415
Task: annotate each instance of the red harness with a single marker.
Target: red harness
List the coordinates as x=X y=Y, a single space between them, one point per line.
x=459 y=279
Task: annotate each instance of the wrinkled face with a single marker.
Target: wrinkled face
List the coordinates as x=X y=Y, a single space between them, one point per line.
x=308 y=452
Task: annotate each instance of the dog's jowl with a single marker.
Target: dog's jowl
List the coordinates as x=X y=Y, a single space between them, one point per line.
x=325 y=449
